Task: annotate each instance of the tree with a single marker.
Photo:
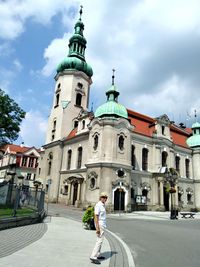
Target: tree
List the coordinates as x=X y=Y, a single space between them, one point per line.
x=11 y=116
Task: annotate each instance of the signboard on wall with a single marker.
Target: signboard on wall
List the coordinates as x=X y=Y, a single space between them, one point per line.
x=141 y=199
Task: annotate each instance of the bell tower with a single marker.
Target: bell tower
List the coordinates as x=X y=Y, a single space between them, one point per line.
x=72 y=87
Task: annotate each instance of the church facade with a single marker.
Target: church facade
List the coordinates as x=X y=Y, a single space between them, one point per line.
x=141 y=162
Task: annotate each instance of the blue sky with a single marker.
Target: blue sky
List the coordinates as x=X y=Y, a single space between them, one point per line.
x=152 y=44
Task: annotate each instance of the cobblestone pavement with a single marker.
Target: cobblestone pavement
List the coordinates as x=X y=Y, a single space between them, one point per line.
x=12 y=240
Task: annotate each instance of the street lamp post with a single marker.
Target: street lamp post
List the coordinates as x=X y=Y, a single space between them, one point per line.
x=171 y=177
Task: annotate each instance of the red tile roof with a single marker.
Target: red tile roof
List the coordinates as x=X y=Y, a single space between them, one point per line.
x=16 y=148
x=145 y=125
x=72 y=134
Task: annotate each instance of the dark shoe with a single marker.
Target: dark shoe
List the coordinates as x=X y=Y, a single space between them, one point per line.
x=101 y=258
x=95 y=261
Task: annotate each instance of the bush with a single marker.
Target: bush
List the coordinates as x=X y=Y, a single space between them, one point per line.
x=88 y=215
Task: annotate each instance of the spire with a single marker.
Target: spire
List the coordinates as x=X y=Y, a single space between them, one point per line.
x=113 y=77
x=77 y=42
x=81 y=12
x=112 y=93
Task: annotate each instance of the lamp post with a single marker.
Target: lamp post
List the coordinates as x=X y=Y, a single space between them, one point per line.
x=171 y=177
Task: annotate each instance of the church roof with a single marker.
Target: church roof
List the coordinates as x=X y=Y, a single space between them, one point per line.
x=194 y=140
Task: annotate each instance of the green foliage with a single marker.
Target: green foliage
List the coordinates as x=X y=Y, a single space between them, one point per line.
x=10 y=119
x=88 y=215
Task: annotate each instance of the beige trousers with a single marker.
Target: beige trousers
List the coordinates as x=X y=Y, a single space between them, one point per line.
x=97 y=248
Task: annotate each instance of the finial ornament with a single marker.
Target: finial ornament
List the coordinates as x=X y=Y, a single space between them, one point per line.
x=113 y=77
x=195 y=115
x=81 y=11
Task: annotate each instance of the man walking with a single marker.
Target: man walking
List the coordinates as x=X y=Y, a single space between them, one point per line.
x=100 y=224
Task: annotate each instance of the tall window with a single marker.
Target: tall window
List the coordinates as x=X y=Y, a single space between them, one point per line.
x=31 y=162
x=145 y=159
x=164 y=159
x=83 y=124
x=75 y=124
x=69 y=158
x=187 y=168
x=121 y=142
x=96 y=141
x=78 y=99
x=79 y=162
x=54 y=125
x=28 y=176
x=133 y=157
x=24 y=161
x=177 y=163
x=50 y=158
x=57 y=100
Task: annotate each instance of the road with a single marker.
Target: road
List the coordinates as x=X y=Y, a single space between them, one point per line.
x=153 y=243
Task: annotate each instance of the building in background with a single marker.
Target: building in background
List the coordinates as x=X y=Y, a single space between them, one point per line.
x=18 y=163
x=120 y=151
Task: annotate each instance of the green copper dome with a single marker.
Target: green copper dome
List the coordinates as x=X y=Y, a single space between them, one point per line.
x=111 y=108
x=194 y=140
x=75 y=63
x=76 y=56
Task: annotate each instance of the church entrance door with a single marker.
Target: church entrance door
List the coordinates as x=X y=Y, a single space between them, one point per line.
x=75 y=193
x=119 y=199
x=166 y=198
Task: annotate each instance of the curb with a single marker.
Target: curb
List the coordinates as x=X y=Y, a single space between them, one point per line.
x=126 y=248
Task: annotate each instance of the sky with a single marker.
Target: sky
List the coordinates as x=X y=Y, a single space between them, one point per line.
x=152 y=44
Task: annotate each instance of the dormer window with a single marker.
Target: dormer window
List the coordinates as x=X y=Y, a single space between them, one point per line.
x=83 y=124
x=75 y=124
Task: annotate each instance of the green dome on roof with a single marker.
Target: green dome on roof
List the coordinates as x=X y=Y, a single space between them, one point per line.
x=194 y=140
x=196 y=125
x=76 y=57
x=75 y=63
x=111 y=108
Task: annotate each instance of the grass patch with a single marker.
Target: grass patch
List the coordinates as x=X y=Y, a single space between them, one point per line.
x=8 y=212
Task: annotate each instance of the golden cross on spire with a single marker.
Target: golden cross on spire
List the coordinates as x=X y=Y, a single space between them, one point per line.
x=113 y=77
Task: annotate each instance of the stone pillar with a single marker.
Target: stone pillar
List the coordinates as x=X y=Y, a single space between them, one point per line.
x=161 y=194
x=72 y=194
x=79 y=191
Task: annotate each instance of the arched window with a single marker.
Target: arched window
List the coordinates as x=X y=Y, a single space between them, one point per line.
x=79 y=162
x=78 y=99
x=163 y=130
x=177 y=163
x=164 y=159
x=83 y=124
x=75 y=124
x=54 y=126
x=69 y=158
x=121 y=142
x=57 y=100
x=50 y=158
x=187 y=168
x=133 y=157
x=144 y=159
x=58 y=87
x=96 y=141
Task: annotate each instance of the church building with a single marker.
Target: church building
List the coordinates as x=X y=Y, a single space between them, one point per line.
x=139 y=161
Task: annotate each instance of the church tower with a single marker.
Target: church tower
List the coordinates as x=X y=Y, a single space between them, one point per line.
x=72 y=87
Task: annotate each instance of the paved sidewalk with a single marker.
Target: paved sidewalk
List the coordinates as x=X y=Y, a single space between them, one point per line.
x=65 y=244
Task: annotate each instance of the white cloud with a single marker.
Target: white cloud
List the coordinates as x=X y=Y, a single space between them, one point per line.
x=14 y=14
x=18 y=65
x=33 y=129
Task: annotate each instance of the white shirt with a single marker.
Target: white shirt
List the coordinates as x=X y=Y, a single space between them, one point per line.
x=101 y=212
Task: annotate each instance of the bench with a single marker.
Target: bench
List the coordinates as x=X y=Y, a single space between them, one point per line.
x=187 y=215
